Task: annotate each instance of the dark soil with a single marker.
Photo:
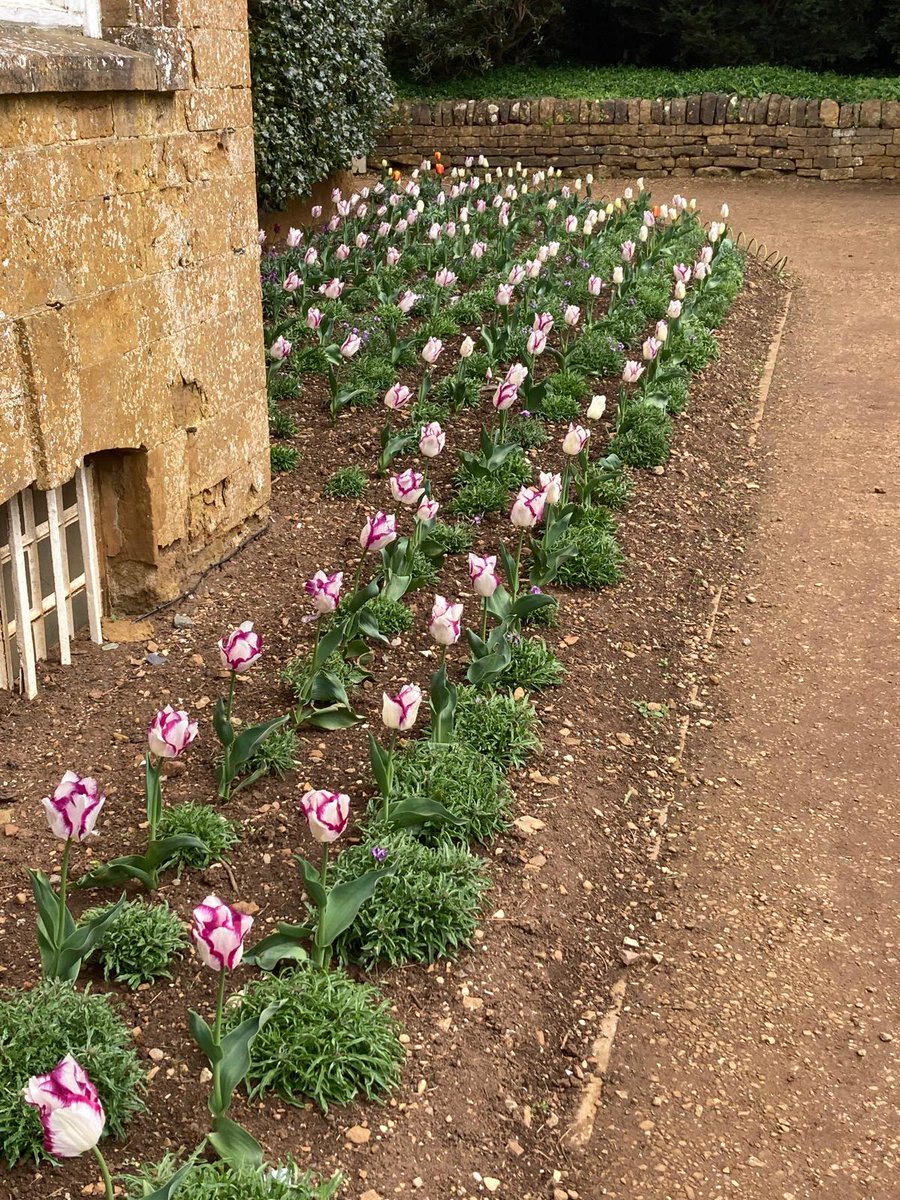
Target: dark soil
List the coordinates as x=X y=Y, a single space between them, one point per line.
x=499 y=1041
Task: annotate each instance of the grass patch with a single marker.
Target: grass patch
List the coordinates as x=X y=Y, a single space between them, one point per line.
x=37 y=1029
x=140 y=943
x=643 y=437
x=281 y=423
x=221 y=1181
x=284 y=458
x=453 y=539
x=460 y=778
x=277 y=755
x=499 y=726
x=393 y=616
x=216 y=831
x=488 y=494
x=332 y=1040
x=599 y=560
x=347 y=484
x=528 y=432
x=534 y=666
x=427 y=909
x=295 y=671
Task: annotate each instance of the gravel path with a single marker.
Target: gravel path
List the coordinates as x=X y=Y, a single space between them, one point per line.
x=760 y=1057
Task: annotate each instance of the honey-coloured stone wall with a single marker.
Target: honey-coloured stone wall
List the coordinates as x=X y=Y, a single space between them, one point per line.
x=130 y=318
x=708 y=134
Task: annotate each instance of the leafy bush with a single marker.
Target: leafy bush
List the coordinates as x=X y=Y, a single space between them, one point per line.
x=609 y=490
x=281 y=423
x=277 y=755
x=37 y=1029
x=533 y=666
x=348 y=483
x=427 y=909
x=320 y=90
x=599 y=560
x=528 y=432
x=695 y=345
x=284 y=458
x=500 y=726
x=643 y=436
x=598 y=351
x=560 y=406
x=460 y=778
x=393 y=616
x=333 y=1039
x=296 y=671
x=547 y=615
x=224 y=1181
x=453 y=539
x=140 y=943
x=513 y=473
x=216 y=832
x=487 y=494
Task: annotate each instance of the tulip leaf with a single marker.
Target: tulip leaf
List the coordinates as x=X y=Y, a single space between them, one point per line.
x=332 y=718
x=525 y=605
x=313 y=883
x=285 y=944
x=47 y=902
x=344 y=902
x=249 y=779
x=121 y=870
x=328 y=643
x=223 y=727
x=381 y=765
x=249 y=740
x=328 y=689
x=163 y=850
x=168 y=1190
x=235 y=1060
x=203 y=1036
x=420 y=810
x=234 y=1144
x=509 y=566
x=353 y=603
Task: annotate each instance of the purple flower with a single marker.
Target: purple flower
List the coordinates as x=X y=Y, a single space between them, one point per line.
x=219 y=931
x=74 y=807
x=69 y=1107
x=379 y=853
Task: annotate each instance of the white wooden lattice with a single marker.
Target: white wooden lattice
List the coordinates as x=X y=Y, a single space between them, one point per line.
x=49 y=577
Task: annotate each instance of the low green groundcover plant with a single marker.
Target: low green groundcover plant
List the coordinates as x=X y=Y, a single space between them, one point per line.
x=599 y=560
x=501 y=726
x=460 y=778
x=487 y=494
x=348 y=483
x=225 y=1181
x=141 y=942
x=393 y=616
x=277 y=755
x=533 y=666
x=216 y=831
x=427 y=909
x=284 y=458
x=644 y=436
x=37 y=1029
x=333 y=1039
x=281 y=423
x=453 y=538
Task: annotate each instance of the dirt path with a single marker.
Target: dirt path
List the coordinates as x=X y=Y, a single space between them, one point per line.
x=760 y=1057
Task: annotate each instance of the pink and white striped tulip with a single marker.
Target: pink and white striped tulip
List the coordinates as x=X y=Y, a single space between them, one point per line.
x=292 y=282
x=316 y=211
x=332 y=289
x=432 y=440
x=392 y=257
x=551 y=486
x=399 y=712
x=384 y=229
x=575 y=440
x=627 y=251
x=483 y=574
x=407 y=301
x=431 y=351
x=324 y=590
x=314 y=318
x=504 y=295
x=632 y=371
x=572 y=315
x=478 y=250
x=571 y=224
x=241 y=648
x=673 y=312
x=294 y=237
x=361 y=241
x=505 y=396
x=350 y=345
x=428 y=509
x=528 y=508
x=595 y=285
x=69 y=1107
x=537 y=342
x=706 y=255
x=171 y=732
x=218 y=932
x=516 y=275
x=74 y=807
x=444 y=625
x=379 y=531
x=327 y=814
x=311 y=257
x=682 y=273
x=651 y=348
x=342 y=253
x=543 y=322
x=397 y=396
x=406 y=488
x=445 y=278
x=516 y=375
x=280 y=348
x=701 y=270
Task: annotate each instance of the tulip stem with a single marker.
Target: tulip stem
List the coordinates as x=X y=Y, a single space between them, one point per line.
x=61 y=915
x=217 y=1039
x=389 y=787
x=518 y=563
x=484 y=616
x=359 y=568
x=104 y=1171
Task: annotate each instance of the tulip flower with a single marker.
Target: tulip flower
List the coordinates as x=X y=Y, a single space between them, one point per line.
x=505 y=396
x=467 y=348
x=542 y=323
x=596 y=408
x=572 y=315
x=350 y=345
x=537 y=342
x=171 y=731
x=362 y=240
x=431 y=351
x=679 y=291
x=483 y=574
x=673 y=312
x=240 y=650
x=406 y=488
x=332 y=289
x=218 y=932
x=651 y=348
x=618 y=275
x=445 y=278
x=551 y=486
x=575 y=440
x=571 y=224
x=70 y=1110
x=632 y=371
x=595 y=285
x=706 y=255
x=516 y=375
x=342 y=253
x=432 y=440
x=444 y=625
x=643 y=234
x=324 y=591
x=662 y=331
x=516 y=275
x=528 y=508
x=280 y=349
x=74 y=807
x=392 y=257
x=379 y=531
x=427 y=510
x=397 y=396
x=314 y=318
x=311 y=256
x=407 y=301
x=292 y=282
x=701 y=270
x=327 y=814
x=715 y=232
x=399 y=712
x=648 y=219
x=682 y=273
x=478 y=249
x=294 y=237
x=504 y=295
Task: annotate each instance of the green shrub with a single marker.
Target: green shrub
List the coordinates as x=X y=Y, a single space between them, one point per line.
x=643 y=437
x=515 y=472
x=695 y=345
x=598 y=353
x=284 y=458
x=216 y=832
x=349 y=484
x=599 y=560
x=652 y=294
x=443 y=393
x=224 y=1181
x=277 y=755
x=333 y=1039
x=432 y=408
x=560 y=407
x=533 y=666
x=499 y=726
x=140 y=943
x=547 y=615
x=627 y=323
x=608 y=489
x=43 y=1025
x=281 y=423
x=427 y=909
x=453 y=539
x=487 y=494
x=321 y=91
x=296 y=671
x=528 y=432
x=460 y=778
x=393 y=616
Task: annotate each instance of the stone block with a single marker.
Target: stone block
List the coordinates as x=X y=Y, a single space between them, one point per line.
x=870 y=114
x=692 y=110
x=890 y=114
x=834 y=173
x=708 y=103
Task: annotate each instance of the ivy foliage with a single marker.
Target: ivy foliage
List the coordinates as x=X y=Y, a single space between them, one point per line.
x=320 y=90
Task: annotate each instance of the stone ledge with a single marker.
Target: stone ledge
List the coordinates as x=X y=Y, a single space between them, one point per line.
x=34 y=59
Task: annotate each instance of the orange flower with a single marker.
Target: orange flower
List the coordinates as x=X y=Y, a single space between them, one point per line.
x=439 y=167
x=437 y=156
x=656 y=210
x=396 y=175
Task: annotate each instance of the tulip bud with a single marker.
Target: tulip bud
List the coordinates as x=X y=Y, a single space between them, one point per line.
x=673 y=312
x=528 y=508
x=431 y=351
x=643 y=233
x=218 y=932
x=651 y=348
x=467 y=348
x=406 y=488
x=240 y=650
x=427 y=510
x=618 y=275
x=69 y=1107
x=399 y=712
x=483 y=574
x=537 y=342
x=575 y=440
x=74 y=807
x=379 y=531
x=571 y=315
x=662 y=331
x=432 y=440
x=596 y=408
x=170 y=732
x=632 y=371
x=679 y=291
x=444 y=625
x=595 y=285
x=551 y=486
x=392 y=256
x=324 y=591
x=314 y=318
x=723 y=212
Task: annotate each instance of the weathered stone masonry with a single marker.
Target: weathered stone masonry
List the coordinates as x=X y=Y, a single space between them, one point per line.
x=130 y=322
x=712 y=134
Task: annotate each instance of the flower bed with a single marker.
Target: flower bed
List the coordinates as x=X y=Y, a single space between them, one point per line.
x=451 y=345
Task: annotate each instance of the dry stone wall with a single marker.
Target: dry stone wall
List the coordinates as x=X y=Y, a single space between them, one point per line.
x=708 y=134
x=130 y=319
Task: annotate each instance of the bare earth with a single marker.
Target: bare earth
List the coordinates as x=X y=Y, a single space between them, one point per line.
x=760 y=1058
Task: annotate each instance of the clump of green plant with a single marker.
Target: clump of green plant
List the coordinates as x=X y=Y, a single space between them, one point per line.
x=393 y=616
x=598 y=351
x=695 y=346
x=453 y=539
x=140 y=943
x=43 y=1025
x=428 y=908
x=466 y=783
x=627 y=324
x=528 y=432
x=232 y=1181
x=281 y=423
x=513 y=473
x=643 y=436
x=547 y=615
x=610 y=490
x=560 y=406
x=276 y=755
x=423 y=412
x=599 y=560
x=347 y=484
x=332 y=1039
x=652 y=294
x=295 y=672
x=284 y=458
x=532 y=665
x=216 y=831
x=500 y=726
x=487 y=494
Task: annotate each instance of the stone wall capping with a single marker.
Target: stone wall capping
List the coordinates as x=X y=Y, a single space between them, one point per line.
x=34 y=59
